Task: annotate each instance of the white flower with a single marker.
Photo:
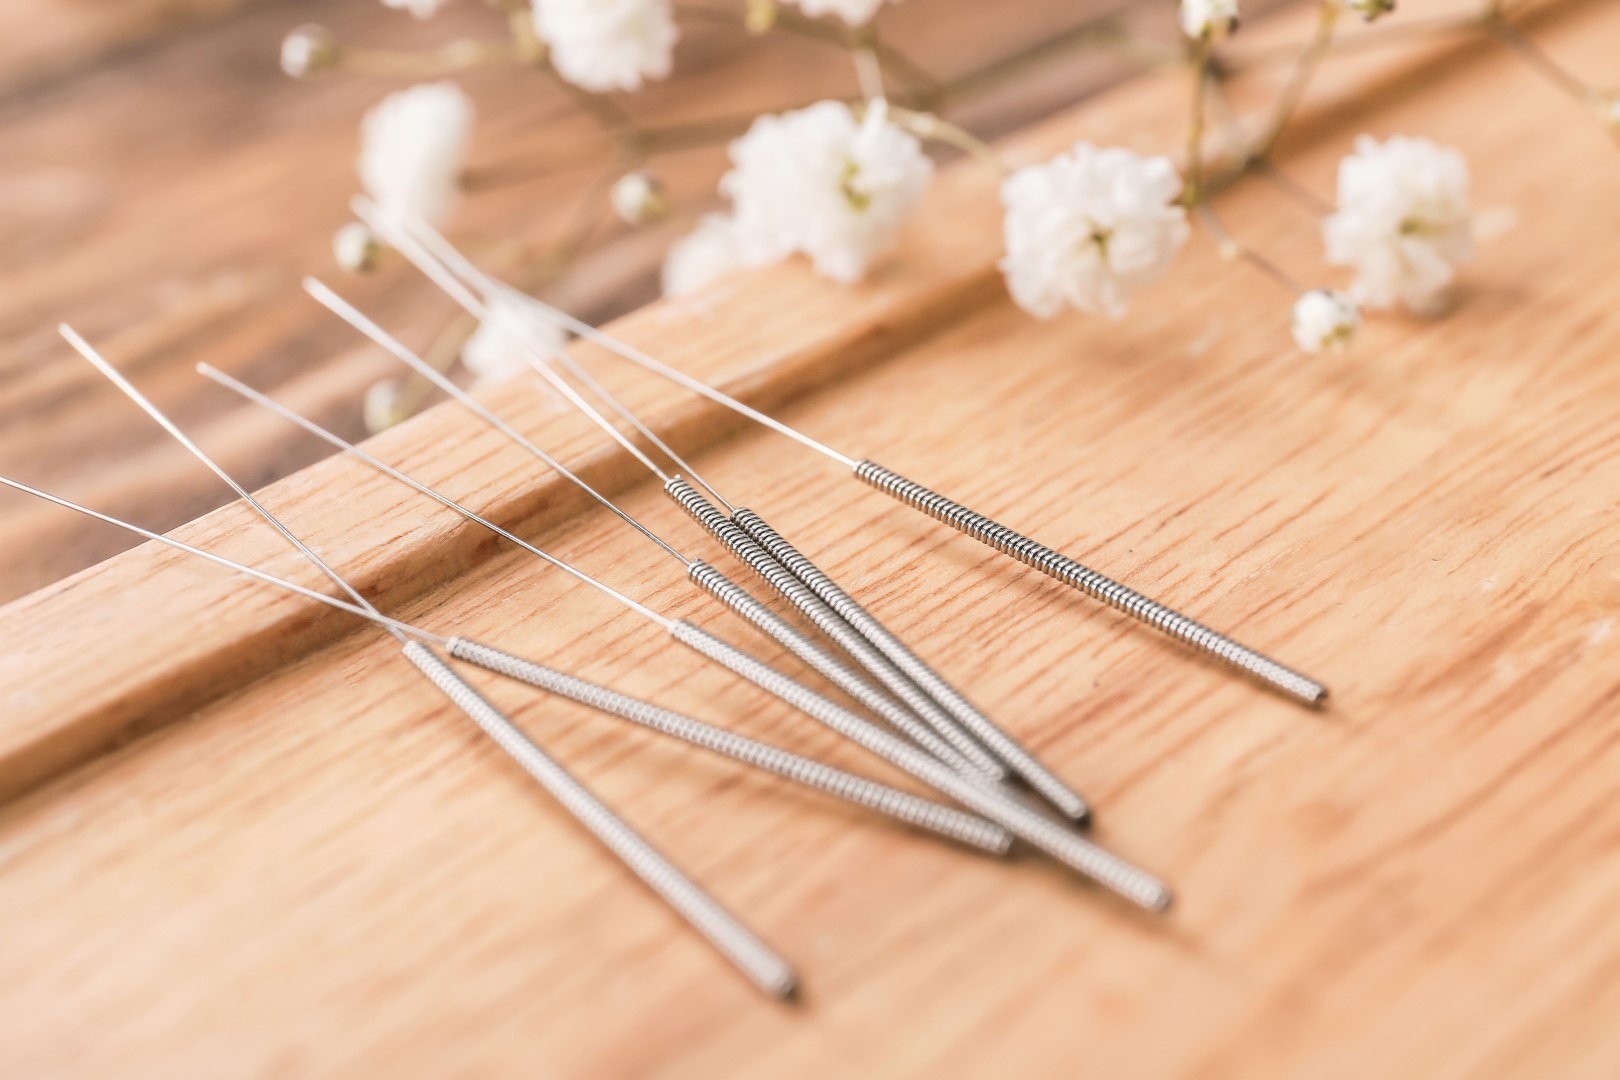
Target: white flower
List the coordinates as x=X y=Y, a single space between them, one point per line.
x=818 y=182
x=1371 y=10
x=355 y=248
x=639 y=198
x=604 y=45
x=1089 y=228
x=384 y=405
x=1208 y=18
x=1325 y=319
x=412 y=147
x=422 y=9
x=704 y=255
x=1404 y=221
x=308 y=49
x=853 y=12
x=514 y=330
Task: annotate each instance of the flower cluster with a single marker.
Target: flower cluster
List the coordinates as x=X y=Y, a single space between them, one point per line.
x=836 y=184
x=1090 y=228
x=604 y=45
x=1403 y=222
x=413 y=145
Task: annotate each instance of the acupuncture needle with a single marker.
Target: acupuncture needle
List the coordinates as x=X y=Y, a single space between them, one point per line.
x=901 y=805
x=708 y=578
x=761 y=547
x=756 y=960
x=1032 y=553
x=966 y=728
x=974 y=792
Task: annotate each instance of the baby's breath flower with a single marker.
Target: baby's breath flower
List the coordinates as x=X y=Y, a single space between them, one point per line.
x=1404 y=221
x=514 y=330
x=639 y=198
x=704 y=255
x=422 y=9
x=853 y=12
x=355 y=248
x=1325 y=319
x=820 y=183
x=412 y=147
x=307 y=50
x=604 y=45
x=1209 y=19
x=1371 y=10
x=1089 y=228
x=384 y=405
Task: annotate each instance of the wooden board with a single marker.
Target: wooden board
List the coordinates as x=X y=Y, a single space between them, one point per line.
x=306 y=865
x=165 y=186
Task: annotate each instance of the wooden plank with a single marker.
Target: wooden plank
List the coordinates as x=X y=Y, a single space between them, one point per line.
x=173 y=224
x=321 y=870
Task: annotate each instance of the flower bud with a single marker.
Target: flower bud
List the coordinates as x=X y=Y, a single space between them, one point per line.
x=355 y=248
x=639 y=198
x=1207 y=20
x=385 y=405
x=307 y=50
x=1325 y=319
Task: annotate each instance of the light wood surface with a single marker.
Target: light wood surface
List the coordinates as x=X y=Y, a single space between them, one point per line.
x=308 y=866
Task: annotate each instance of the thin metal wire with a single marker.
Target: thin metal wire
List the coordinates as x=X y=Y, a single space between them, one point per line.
x=711 y=580
x=368 y=213
x=246 y=391
x=1031 y=826
x=1120 y=597
x=1183 y=628
x=444 y=264
x=827 y=621
x=228 y=564
x=903 y=806
x=923 y=813
x=129 y=390
x=353 y=316
x=755 y=959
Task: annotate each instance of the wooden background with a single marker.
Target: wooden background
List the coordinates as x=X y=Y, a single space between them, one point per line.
x=165 y=186
x=241 y=840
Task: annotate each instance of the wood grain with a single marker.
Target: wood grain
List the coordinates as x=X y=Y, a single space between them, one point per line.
x=166 y=187
x=307 y=866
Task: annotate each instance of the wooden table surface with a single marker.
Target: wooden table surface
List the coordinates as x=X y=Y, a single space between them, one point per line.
x=242 y=838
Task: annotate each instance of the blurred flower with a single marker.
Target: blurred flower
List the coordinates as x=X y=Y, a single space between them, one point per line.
x=1371 y=10
x=412 y=147
x=1208 y=18
x=1325 y=319
x=384 y=405
x=820 y=183
x=1404 y=221
x=420 y=8
x=604 y=45
x=704 y=255
x=355 y=248
x=514 y=330
x=1089 y=228
x=853 y=12
x=308 y=49
x=639 y=198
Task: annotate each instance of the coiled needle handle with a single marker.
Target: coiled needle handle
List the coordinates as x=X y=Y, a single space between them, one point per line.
x=752 y=610
x=831 y=624
x=1007 y=749
x=1211 y=643
x=946 y=821
x=977 y=794
x=724 y=931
